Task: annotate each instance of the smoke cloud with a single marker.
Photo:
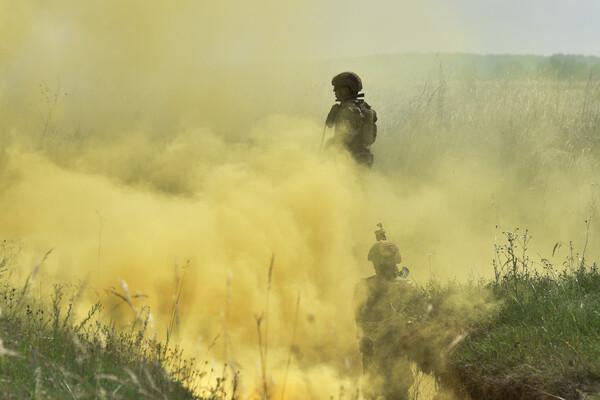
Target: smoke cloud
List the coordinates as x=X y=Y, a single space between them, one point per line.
x=150 y=143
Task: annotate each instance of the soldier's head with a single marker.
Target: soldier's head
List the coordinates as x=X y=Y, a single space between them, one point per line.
x=385 y=257
x=346 y=86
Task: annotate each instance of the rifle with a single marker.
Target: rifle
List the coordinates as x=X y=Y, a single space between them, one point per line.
x=323 y=137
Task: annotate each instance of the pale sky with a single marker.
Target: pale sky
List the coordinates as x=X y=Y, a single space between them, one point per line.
x=479 y=26
x=203 y=31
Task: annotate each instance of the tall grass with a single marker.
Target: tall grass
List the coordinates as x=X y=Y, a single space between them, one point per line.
x=46 y=352
x=528 y=124
x=545 y=340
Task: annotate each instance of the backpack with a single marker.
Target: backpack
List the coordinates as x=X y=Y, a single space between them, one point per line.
x=369 y=126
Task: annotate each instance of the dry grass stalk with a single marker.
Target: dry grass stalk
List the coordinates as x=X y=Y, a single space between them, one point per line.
x=174 y=315
x=34 y=272
x=292 y=345
x=263 y=342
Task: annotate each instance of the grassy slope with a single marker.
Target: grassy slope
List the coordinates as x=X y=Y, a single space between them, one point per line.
x=46 y=355
x=544 y=340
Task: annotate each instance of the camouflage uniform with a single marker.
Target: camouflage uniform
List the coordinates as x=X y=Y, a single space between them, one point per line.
x=347 y=119
x=379 y=302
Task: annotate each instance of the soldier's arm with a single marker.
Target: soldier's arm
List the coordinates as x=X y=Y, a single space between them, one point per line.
x=332 y=116
x=358 y=301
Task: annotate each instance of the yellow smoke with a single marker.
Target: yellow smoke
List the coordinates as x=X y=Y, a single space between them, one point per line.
x=274 y=200
x=147 y=142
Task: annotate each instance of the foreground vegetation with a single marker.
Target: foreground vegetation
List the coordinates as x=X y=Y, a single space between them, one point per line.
x=46 y=354
x=544 y=341
x=533 y=332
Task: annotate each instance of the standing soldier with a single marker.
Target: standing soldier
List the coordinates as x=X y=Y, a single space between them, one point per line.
x=379 y=302
x=352 y=118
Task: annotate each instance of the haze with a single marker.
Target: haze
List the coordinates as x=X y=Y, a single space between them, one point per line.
x=145 y=141
x=490 y=26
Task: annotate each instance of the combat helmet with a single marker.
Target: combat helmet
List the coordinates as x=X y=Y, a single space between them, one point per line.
x=384 y=252
x=349 y=79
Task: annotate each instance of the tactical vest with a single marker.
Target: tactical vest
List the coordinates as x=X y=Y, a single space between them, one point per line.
x=368 y=130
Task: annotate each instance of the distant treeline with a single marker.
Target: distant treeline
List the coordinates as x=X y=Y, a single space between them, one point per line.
x=469 y=66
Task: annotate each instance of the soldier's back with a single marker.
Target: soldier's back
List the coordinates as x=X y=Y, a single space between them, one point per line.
x=379 y=299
